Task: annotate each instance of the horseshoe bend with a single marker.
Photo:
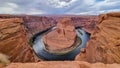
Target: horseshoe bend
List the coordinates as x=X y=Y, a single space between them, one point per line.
x=60 y=41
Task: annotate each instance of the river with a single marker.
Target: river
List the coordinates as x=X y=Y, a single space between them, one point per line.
x=38 y=47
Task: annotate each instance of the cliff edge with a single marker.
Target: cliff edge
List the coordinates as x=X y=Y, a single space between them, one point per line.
x=104 y=43
x=14 y=41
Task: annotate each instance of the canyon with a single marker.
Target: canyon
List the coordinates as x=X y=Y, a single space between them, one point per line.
x=103 y=46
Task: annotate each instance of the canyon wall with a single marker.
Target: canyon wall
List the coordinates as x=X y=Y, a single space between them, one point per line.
x=14 y=41
x=87 y=22
x=33 y=24
x=36 y=24
x=104 y=43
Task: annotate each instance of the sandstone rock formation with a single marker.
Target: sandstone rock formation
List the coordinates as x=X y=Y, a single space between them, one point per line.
x=62 y=37
x=33 y=25
x=104 y=43
x=36 y=24
x=88 y=23
x=62 y=64
x=14 y=41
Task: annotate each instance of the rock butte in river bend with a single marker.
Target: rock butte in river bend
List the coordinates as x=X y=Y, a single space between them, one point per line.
x=62 y=37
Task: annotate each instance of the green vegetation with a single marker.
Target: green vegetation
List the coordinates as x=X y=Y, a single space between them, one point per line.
x=80 y=40
x=31 y=42
x=32 y=39
x=80 y=32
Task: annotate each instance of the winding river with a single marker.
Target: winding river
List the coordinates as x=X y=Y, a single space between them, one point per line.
x=38 y=46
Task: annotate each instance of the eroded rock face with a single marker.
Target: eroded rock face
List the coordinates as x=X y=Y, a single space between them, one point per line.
x=16 y=45
x=33 y=24
x=104 y=44
x=62 y=37
x=62 y=64
x=88 y=23
x=36 y=24
x=14 y=41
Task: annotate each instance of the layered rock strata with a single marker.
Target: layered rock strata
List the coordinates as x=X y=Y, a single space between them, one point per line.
x=104 y=43
x=62 y=37
x=14 y=41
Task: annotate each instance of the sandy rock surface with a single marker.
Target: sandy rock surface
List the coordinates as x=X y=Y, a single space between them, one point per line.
x=62 y=37
x=62 y=64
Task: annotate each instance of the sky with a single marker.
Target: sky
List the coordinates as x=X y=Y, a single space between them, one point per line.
x=50 y=7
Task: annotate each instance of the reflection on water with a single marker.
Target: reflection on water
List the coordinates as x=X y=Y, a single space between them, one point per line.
x=38 y=47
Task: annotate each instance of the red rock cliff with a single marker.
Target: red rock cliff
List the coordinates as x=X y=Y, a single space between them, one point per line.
x=104 y=43
x=33 y=24
x=14 y=41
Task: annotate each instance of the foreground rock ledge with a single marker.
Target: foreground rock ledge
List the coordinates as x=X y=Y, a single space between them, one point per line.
x=62 y=37
x=62 y=64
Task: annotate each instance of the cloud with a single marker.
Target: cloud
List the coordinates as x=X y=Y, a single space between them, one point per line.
x=8 y=8
x=34 y=11
x=96 y=7
x=58 y=6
